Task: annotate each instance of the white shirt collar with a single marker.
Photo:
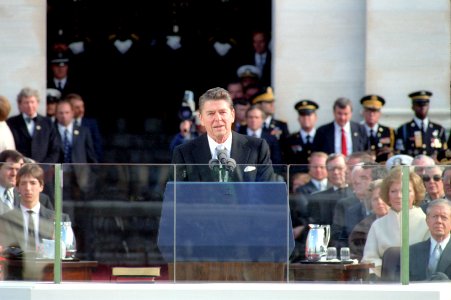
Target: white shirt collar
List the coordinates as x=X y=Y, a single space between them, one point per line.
x=257 y=132
x=442 y=244
x=418 y=122
x=368 y=128
x=35 y=209
x=311 y=134
x=227 y=144
x=347 y=127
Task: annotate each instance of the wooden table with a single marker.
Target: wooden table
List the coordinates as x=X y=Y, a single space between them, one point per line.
x=329 y=272
x=42 y=270
x=227 y=271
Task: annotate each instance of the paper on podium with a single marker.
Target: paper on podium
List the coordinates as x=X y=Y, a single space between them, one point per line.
x=220 y=221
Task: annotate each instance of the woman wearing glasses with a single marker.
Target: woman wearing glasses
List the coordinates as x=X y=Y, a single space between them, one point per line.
x=432 y=179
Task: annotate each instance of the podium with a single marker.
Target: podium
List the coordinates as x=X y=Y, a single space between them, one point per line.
x=226 y=231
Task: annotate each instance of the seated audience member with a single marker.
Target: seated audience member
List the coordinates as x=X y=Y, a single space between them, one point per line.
x=6 y=136
x=385 y=232
x=432 y=179
x=351 y=210
x=26 y=226
x=10 y=163
x=446 y=178
x=431 y=259
x=379 y=208
x=318 y=174
x=421 y=161
x=235 y=89
x=298 y=180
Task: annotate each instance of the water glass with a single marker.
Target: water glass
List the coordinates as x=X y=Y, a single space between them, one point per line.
x=345 y=253
x=331 y=253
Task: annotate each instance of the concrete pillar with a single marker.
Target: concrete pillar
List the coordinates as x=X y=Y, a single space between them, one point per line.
x=23 y=51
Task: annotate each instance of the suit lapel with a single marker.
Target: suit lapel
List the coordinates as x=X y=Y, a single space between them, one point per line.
x=445 y=258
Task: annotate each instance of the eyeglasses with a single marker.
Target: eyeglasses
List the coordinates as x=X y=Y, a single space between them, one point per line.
x=427 y=178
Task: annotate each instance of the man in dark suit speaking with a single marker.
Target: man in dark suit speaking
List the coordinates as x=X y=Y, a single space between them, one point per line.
x=221 y=154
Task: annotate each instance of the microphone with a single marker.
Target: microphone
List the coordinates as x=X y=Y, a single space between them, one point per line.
x=214 y=164
x=231 y=164
x=222 y=156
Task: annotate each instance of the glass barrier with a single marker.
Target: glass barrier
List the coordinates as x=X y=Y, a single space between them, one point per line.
x=200 y=223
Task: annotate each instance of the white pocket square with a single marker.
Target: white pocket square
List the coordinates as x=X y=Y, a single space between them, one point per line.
x=249 y=169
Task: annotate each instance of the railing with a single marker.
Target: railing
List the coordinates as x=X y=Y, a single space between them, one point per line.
x=159 y=224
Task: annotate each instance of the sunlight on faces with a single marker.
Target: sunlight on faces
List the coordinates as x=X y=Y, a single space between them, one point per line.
x=29 y=105
x=8 y=173
x=64 y=113
x=439 y=221
x=434 y=188
x=317 y=167
x=307 y=121
x=447 y=183
x=336 y=172
x=361 y=179
x=254 y=119
x=378 y=206
x=29 y=189
x=342 y=115
x=371 y=116
x=395 y=195
x=217 y=117
x=78 y=106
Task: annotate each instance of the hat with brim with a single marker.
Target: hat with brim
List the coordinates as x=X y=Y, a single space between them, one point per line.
x=372 y=102
x=420 y=97
x=306 y=107
x=266 y=95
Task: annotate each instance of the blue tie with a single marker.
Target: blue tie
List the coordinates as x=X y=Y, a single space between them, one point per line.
x=67 y=147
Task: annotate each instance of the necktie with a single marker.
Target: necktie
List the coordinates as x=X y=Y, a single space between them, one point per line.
x=372 y=138
x=435 y=257
x=254 y=134
x=7 y=198
x=423 y=127
x=67 y=147
x=60 y=85
x=31 y=235
x=307 y=139
x=344 y=148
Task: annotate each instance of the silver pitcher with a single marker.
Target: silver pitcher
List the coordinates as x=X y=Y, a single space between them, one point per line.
x=317 y=241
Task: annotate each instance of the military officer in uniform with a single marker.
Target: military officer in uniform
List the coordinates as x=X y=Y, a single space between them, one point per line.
x=381 y=138
x=298 y=145
x=421 y=136
x=265 y=100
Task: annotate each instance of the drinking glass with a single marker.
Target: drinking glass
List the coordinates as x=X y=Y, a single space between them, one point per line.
x=345 y=253
x=331 y=253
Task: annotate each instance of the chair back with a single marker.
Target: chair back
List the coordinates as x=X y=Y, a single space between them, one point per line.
x=391 y=264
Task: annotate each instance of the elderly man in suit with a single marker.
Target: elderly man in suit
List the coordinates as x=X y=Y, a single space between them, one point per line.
x=342 y=135
x=431 y=259
x=250 y=154
x=34 y=134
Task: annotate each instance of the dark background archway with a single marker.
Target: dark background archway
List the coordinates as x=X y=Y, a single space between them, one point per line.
x=117 y=87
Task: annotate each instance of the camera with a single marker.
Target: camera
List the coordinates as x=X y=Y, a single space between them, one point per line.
x=188 y=107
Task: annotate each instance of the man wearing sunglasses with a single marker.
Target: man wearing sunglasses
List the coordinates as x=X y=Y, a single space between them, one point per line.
x=446 y=178
x=432 y=179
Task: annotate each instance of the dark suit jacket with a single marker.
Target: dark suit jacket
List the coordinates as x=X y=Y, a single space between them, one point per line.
x=71 y=86
x=418 y=264
x=273 y=143
x=82 y=146
x=296 y=152
x=340 y=227
x=246 y=151
x=43 y=147
x=12 y=227
x=321 y=205
x=97 y=139
x=383 y=144
x=325 y=138
x=357 y=237
x=265 y=79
